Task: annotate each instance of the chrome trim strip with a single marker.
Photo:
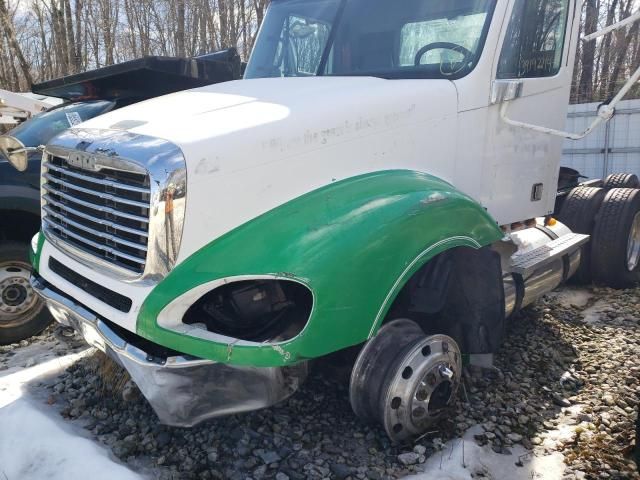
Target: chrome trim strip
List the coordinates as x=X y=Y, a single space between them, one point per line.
x=88 y=191
x=100 y=221
x=106 y=183
x=104 y=156
x=113 y=251
x=92 y=206
x=97 y=233
x=165 y=165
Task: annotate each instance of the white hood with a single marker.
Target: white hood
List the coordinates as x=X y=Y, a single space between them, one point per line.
x=251 y=145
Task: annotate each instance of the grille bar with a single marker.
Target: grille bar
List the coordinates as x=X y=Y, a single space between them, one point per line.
x=107 y=183
x=108 y=224
x=82 y=239
x=64 y=220
x=88 y=191
x=105 y=210
x=104 y=213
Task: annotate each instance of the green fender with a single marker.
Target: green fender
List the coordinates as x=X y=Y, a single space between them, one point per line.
x=354 y=243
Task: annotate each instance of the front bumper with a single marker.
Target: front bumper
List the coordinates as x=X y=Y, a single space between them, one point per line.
x=182 y=390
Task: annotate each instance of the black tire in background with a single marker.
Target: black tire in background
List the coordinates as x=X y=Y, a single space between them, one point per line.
x=22 y=313
x=621 y=180
x=578 y=212
x=636 y=450
x=615 y=244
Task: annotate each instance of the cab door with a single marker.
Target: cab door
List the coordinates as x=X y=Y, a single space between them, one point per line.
x=532 y=70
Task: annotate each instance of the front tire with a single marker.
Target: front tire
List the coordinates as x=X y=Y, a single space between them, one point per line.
x=615 y=245
x=404 y=379
x=22 y=312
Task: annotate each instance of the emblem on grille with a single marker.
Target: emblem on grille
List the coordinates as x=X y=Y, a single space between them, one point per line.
x=82 y=160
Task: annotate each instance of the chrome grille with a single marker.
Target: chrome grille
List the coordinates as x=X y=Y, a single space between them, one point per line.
x=104 y=213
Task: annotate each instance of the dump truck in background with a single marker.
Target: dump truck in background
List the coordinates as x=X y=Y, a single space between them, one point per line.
x=383 y=180
x=85 y=95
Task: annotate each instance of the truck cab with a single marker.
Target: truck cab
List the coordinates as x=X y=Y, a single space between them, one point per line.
x=445 y=57
x=360 y=189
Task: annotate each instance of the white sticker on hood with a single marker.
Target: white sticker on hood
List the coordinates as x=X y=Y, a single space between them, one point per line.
x=73 y=118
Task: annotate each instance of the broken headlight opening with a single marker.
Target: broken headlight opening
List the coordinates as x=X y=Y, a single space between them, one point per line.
x=254 y=310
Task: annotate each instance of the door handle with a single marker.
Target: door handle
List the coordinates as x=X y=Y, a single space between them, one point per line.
x=505 y=90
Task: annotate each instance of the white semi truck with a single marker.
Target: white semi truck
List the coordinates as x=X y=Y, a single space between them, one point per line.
x=383 y=179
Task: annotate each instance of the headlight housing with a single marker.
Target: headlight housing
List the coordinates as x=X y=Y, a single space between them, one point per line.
x=254 y=310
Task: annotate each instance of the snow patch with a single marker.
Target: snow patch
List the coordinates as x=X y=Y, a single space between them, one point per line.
x=572 y=297
x=565 y=430
x=15 y=378
x=34 y=446
x=593 y=314
x=464 y=459
x=25 y=357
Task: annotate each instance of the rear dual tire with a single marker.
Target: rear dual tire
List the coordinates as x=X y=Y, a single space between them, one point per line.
x=621 y=180
x=579 y=212
x=615 y=244
x=612 y=217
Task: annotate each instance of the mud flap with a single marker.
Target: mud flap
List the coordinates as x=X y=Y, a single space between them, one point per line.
x=474 y=313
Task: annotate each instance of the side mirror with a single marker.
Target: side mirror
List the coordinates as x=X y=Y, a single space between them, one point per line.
x=16 y=152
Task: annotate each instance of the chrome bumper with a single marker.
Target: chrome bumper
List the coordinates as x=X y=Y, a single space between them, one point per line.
x=182 y=390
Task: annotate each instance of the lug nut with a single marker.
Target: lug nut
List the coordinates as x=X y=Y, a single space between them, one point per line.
x=445 y=372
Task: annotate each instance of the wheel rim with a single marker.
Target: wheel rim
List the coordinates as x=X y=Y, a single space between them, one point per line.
x=405 y=379
x=633 y=244
x=422 y=387
x=17 y=298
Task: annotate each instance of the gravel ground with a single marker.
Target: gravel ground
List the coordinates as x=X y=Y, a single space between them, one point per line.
x=560 y=384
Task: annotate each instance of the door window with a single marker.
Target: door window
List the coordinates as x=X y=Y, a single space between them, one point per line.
x=534 y=43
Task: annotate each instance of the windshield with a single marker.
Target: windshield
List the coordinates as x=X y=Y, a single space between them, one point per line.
x=42 y=128
x=399 y=39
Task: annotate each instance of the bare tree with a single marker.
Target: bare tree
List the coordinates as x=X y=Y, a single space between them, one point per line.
x=10 y=36
x=48 y=38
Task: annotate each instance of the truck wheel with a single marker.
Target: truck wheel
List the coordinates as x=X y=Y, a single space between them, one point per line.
x=22 y=311
x=621 y=180
x=405 y=379
x=615 y=245
x=578 y=213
